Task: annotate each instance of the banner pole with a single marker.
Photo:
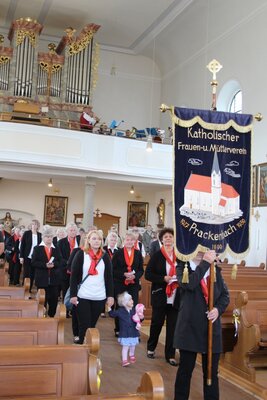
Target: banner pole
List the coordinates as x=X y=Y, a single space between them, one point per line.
x=210 y=326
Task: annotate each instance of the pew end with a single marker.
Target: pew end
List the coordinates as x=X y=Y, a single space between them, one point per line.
x=92 y=339
x=151 y=388
x=250 y=351
x=47 y=371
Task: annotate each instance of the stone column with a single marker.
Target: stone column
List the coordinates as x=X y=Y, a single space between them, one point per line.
x=88 y=208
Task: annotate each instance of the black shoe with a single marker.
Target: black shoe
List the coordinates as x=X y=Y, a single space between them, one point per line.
x=172 y=362
x=150 y=354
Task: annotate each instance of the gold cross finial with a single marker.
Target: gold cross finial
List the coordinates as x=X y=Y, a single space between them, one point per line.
x=214 y=67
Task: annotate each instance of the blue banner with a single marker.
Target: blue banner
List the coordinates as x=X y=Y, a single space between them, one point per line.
x=212 y=171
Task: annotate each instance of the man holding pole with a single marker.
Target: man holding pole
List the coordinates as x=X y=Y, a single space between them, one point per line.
x=203 y=299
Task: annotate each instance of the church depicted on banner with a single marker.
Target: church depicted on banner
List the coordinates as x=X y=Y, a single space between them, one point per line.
x=208 y=200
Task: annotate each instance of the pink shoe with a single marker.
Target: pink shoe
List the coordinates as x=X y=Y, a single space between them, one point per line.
x=125 y=363
x=132 y=359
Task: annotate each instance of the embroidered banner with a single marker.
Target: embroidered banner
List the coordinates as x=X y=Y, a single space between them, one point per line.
x=212 y=168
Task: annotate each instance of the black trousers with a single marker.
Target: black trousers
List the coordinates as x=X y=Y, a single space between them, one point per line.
x=51 y=299
x=17 y=272
x=184 y=374
x=159 y=314
x=28 y=271
x=88 y=312
x=74 y=321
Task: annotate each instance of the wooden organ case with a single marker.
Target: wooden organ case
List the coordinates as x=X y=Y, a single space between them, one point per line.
x=61 y=80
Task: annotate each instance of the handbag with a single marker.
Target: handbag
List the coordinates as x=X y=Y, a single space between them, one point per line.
x=67 y=302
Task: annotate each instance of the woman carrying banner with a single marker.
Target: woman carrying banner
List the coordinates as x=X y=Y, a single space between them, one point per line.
x=161 y=271
x=191 y=330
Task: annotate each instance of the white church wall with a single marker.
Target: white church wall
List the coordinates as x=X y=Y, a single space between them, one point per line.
x=132 y=93
x=25 y=200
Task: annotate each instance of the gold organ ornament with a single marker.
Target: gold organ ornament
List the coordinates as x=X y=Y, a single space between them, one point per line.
x=21 y=34
x=79 y=45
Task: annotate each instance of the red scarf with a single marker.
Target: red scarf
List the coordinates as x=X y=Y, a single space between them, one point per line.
x=95 y=258
x=110 y=254
x=14 y=258
x=205 y=289
x=129 y=262
x=72 y=243
x=48 y=252
x=174 y=285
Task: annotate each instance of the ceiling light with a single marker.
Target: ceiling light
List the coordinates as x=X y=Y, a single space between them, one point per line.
x=50 y=183
x=149 y=143
x=132 y=190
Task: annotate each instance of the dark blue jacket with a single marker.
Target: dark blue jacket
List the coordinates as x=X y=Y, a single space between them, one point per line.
x=127 y=325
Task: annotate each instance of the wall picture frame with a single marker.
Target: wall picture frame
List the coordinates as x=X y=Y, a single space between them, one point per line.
x=137 y=214
x=254 y=185
x=262 y=185
x=55 y=210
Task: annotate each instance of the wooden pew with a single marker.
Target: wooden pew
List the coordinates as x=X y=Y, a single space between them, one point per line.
x=13 y=292
x=13 y=308
x=3 y=276
x=246 y=281
x=60 y=370
x=250 y=351
x=151 y=388
x=32 y=331
x=228 y=328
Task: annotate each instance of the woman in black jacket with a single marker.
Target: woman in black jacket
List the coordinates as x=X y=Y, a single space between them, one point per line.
x=127 y=271
x=191 y=333
x=46 y=260
x=91 y=282
x=161 y=271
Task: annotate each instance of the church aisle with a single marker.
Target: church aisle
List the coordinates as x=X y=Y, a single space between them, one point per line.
x=116 y=379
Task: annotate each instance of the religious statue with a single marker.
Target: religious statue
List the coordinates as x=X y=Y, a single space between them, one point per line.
x=8 y=222
x=161 y=212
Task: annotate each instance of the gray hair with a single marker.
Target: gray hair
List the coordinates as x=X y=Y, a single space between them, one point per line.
x=47 y=231
x=112 y=234
x=71 y=225
x=130 y=234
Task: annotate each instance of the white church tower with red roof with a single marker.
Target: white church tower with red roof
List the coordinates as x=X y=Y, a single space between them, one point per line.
x=216 y=185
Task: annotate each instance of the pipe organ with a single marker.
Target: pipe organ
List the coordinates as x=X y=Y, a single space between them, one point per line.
x=65 y=75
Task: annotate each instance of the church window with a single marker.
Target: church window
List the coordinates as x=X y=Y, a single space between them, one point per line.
x=236 y=103
x=230 y=97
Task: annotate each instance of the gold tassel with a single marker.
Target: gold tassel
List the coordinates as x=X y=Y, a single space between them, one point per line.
x=234 y=272
x=185 y=274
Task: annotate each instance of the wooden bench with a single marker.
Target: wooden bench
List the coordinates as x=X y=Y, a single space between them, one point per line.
x=59 y=370
x=13 y=292
x=3 y=276
x=243 y=267
x=250 y=351
x=31 y=331
x=246 y=281
x=13 y=308
x=228 y=327
x=151 y=388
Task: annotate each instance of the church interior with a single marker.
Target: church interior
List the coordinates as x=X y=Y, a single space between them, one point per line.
x=123 y=60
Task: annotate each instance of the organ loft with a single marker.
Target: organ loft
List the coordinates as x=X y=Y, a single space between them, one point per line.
x=47 y=87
